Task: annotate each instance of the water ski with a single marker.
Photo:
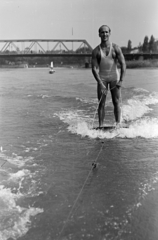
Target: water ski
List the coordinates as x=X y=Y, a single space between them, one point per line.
x=111 y=127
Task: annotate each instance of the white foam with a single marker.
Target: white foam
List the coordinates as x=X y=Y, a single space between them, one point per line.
x=146 y=127
x=138 y=106
x=73 y=117
x=140 y=90
x=135 y=109
x=15 y=159
x=43 y=96
x=86 y=100
x=14 y=219
x=30 y=149
x=152 y=99
x=18 y=175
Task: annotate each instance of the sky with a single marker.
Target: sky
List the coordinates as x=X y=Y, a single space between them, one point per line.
x=79 y=19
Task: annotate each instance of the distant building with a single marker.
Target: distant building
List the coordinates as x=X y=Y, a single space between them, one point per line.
x=135 y=50
x=156 y=45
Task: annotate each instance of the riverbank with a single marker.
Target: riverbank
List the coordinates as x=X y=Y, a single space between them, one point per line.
x=130 y=64
x=142 y=63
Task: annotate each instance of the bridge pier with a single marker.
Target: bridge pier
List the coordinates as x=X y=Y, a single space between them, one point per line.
x=88 y=62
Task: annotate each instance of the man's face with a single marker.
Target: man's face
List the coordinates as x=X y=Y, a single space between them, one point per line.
x=104 y=33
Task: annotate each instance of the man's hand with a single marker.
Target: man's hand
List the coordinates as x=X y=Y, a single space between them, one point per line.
x=103 y=89
x=119 y=84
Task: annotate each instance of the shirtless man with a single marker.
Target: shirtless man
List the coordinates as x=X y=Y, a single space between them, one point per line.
x=105 y=57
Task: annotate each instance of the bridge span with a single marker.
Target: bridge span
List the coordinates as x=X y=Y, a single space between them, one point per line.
x=56 y=48
x=44 y=46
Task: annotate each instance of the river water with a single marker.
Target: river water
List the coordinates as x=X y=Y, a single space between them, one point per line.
x=48 y=187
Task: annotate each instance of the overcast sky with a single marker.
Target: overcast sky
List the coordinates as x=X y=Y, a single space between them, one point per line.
x=79 y=19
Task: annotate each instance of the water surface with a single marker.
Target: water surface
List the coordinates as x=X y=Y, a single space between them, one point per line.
x=48 y=189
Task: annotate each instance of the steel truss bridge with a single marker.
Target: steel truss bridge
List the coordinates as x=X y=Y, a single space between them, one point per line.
x=44 y=48
x=56 y=48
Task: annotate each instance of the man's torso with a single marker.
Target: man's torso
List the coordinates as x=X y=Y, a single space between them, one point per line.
x=107 y=61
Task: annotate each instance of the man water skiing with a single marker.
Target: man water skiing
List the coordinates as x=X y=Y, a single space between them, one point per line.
x=105 y=57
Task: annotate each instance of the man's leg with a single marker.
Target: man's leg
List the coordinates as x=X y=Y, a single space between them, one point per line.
x=101 y=107
x=116 y=99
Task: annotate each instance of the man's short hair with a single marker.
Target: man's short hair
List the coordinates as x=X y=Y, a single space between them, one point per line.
x=104 y=26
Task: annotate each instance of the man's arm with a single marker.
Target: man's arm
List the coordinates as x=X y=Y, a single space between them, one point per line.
x=94 y=69
x=122 y=63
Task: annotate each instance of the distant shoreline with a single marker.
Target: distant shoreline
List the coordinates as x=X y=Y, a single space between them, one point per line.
x=142 y=64
x=133 y=64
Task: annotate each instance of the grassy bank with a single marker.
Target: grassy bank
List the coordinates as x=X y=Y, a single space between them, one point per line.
x=142 y=64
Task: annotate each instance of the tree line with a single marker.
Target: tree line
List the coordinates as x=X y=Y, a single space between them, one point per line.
x=148 y=46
